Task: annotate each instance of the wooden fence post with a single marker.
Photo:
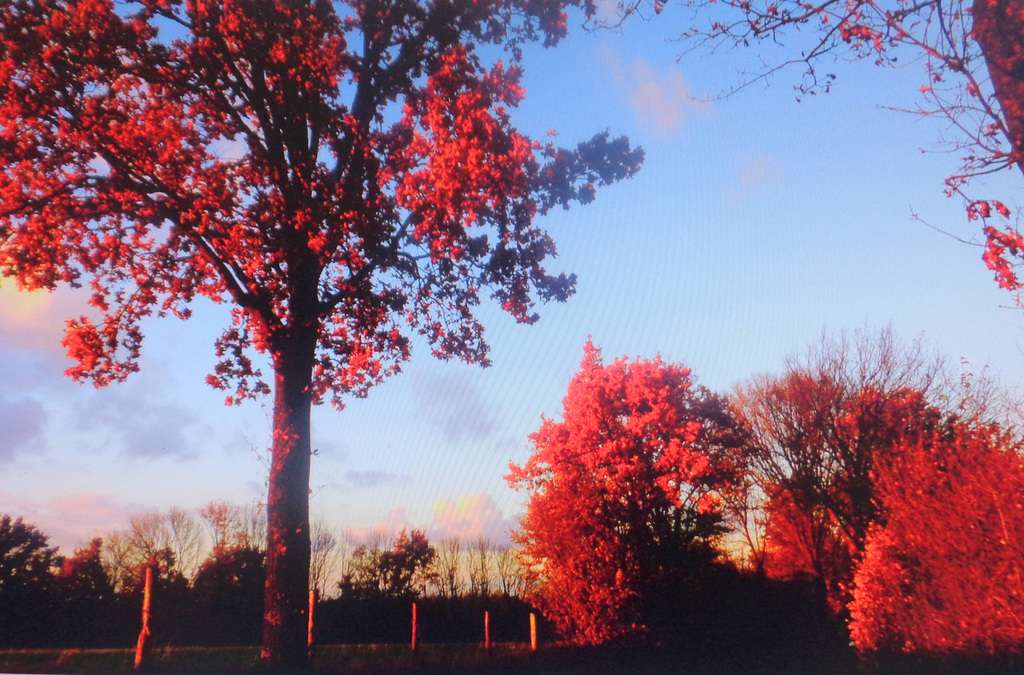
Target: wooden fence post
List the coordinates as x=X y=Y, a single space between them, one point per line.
x=487 y=631
x=147 y=594
x=414 y=626
x=309 y=629
x=533 y=632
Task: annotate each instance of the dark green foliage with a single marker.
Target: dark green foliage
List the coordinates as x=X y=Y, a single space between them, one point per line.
x=27 y=566
x=84 y=600
x=399 y=572
x=26 y=560
x=228 y=598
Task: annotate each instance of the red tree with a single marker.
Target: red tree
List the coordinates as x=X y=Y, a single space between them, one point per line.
x=343 y=177
x=623 y=493
x=943 y=569
x=816 y=433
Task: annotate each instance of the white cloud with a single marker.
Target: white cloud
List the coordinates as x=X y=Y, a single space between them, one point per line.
x=34 y=320
x=471 y=518
x=660 y=98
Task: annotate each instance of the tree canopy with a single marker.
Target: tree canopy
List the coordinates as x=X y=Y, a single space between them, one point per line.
x=957 y=592
x=816 y=432
x=624 y=493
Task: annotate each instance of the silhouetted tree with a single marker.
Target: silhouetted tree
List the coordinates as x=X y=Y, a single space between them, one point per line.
x=401 y=571
x=816 y=433
x=127 y=550
x=228 y=596
x=27 y=567
x=448 y=568
x=85 y=601
x=327 y=554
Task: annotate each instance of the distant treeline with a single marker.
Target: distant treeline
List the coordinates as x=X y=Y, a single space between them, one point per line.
x=210 y=593
x=81 y=602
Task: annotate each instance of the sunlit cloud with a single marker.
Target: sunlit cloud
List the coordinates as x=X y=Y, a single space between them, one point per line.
x=21 y=306
x=660 y=98
x=452 y=402
x=72 y=518
x=470 y=518
x=34 y=320
x=384 y=532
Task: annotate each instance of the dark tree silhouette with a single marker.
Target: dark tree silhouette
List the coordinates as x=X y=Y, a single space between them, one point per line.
x=228 y=595
x=343 y=174
x=401 y=571
x=817 y=432
x=84 y=601
x=82 y=576
x=27 y=567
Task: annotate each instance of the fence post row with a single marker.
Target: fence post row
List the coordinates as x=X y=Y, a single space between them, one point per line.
x=141 y=645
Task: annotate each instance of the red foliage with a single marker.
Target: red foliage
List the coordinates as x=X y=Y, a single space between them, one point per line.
x=343 y=178
x=805 y=541
x=82 y=576
x=943 y=569
x=623 y=493
x=818 y=437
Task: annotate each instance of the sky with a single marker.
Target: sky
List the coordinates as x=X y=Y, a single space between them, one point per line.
x=756 y=223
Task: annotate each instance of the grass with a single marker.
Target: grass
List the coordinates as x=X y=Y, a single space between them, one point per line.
x=472 y=659
x=327 y=659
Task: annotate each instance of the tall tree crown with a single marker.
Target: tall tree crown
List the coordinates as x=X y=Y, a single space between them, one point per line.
x=343 y=173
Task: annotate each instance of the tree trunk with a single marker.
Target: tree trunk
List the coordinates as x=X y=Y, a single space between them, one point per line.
x=285 y=620
x=998 y=27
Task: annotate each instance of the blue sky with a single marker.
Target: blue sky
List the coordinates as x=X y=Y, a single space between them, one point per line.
x=756 y=223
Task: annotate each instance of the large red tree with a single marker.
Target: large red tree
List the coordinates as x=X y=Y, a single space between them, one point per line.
x=624 y=494
x=816 y=433
x=344 y=174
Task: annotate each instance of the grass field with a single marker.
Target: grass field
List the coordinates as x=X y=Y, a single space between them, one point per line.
x=327 y=659
x=469 y=659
